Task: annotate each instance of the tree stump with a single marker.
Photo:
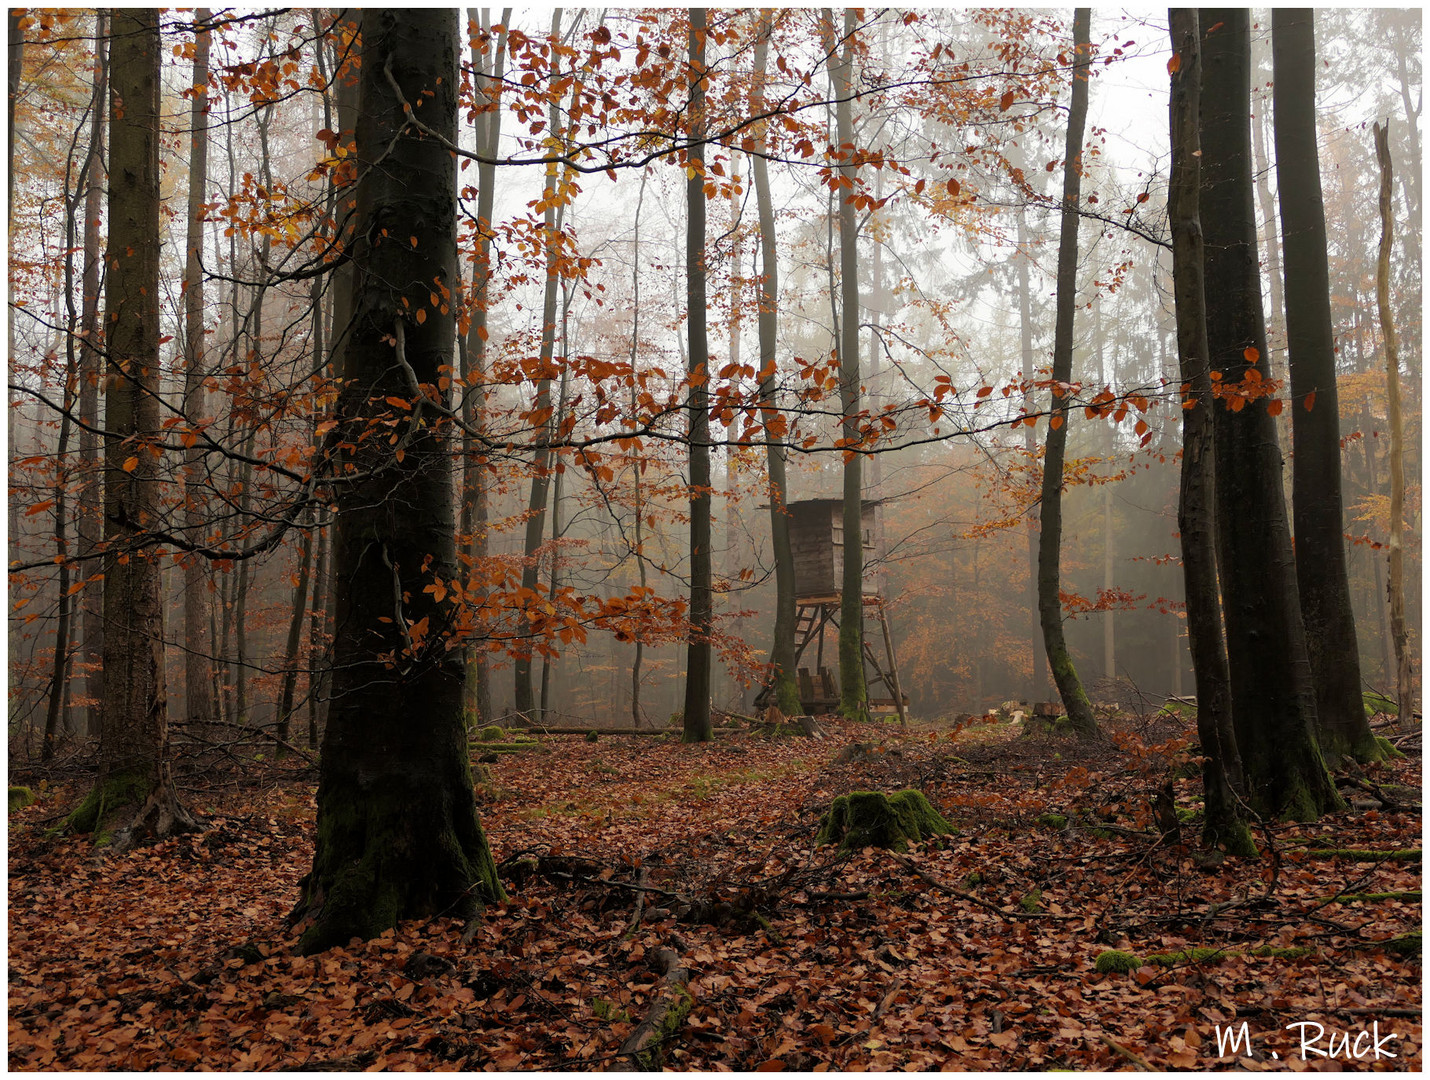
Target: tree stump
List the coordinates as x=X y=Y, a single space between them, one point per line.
x=872 y=819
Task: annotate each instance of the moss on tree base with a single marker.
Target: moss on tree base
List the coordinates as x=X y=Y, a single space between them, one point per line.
x=872 y=819
x=386 y=854
x=107 y=798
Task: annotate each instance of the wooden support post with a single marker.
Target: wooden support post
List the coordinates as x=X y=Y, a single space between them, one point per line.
x=893 y=664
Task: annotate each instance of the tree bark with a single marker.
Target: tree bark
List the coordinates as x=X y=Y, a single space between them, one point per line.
x=1398 y=632
x=637 y=463
x=295 y=637
x=1025 y=340
x=782 y=646
x=474 y=409
x=1273 y=698
x=1221 y=769
x=1050 y=611
x=696 y=715
x=133 y=744
x=853 y=689
x=525 y=695
x=198 y=679
x=89 y=526
x=1321 y=575
x=398 y=833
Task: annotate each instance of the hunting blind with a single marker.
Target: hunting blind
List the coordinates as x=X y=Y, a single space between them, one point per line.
x=817 y=539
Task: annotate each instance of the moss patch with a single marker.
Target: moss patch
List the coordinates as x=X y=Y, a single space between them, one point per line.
x=1032 y=902
x=21 y=797
x=1388 y=752
x=1114 y=961
x=1373 y=897
x=1283 y=952
x=103 y=800
x=871 y=819
x=1405 y=945
x=1365 y=854
x=1201 y=954
x=1378 y=703
x=1053 y=821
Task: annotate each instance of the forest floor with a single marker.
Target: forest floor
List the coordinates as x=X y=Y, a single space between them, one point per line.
x=971 y=951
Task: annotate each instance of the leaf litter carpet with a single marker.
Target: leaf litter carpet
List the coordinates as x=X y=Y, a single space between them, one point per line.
x=971 y=951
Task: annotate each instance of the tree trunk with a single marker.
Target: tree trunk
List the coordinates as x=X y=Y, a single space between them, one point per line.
x=1398 y=632
x=295 y=638
x=1050 y=611
x=1273 y=698
x=1221 y=769
x=1025 y=338
x=398 y=834
x=90 y=518
x=340 y=322
x=853 y=690
x=696 y=715
x=782 y=646
x=321 y=586
x=198 y=679
x=639 y=525
x=1321 y=576
x=133 y=745
x=525 y=695
x=547 y=660
x=474 y=502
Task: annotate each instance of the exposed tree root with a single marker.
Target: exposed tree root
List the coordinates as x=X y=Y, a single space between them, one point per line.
x=672 y=1003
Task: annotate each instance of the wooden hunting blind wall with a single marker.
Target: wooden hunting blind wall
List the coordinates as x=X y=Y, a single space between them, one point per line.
x=816 y=533
x=817 y=538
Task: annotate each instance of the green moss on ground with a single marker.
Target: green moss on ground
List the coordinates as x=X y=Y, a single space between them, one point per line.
x=1115 y=961
x=871 y=819
x=1053 y=821
x=1200 y=954
x=1372 y=897
x=1405 y=945
x=1283 y=952
x=21 y=797
x=1032 y=903
x=1365 y=854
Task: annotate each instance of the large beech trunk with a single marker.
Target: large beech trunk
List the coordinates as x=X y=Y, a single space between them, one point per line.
x=523 y=690
x=698 y=659
x=1221 y=768
x=782 y=647
x=474 y=409
x=1321 y=575
x=853 y=688
x=198 y=655
x=1050 y=611
x=1273 y=698
x=398 y=834
x=133 y=742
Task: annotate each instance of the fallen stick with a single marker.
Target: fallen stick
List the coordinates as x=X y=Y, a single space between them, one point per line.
x=640 y=901
x=1138 y=1061
x=672 y=1003
x=929 y=879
